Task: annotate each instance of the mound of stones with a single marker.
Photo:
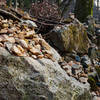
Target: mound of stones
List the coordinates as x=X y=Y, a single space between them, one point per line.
x=20 y=39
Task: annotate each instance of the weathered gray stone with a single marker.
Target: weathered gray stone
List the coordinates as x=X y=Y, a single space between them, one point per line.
x=24 y=78
x=70 y=37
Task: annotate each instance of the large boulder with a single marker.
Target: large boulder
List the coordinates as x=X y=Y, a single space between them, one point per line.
x=70 y=37
x=25 y=78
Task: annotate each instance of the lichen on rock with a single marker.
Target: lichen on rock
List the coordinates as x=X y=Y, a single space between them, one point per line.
x=39 y=79
x=70 y=37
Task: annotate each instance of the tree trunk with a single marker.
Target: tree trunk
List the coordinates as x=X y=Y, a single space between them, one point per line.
x=65 y=6
x=83 y=9
x=16 y=5
x=9 y=3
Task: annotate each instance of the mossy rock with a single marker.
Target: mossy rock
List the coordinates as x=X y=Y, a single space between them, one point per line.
x=98 y=70
x=69 y=38
x=92 y=82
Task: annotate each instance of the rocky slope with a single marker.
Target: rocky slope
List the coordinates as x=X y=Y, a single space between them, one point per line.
x=25 y=78
x=30 y=68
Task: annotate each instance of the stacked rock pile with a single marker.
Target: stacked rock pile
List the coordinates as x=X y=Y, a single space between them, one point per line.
x=75 y=69
x=21 y=40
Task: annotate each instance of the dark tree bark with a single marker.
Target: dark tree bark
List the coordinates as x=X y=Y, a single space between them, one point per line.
x=9 y=3
x=83 y=9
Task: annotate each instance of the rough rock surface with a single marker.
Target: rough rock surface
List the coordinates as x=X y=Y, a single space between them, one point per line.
x=29 y=68
x=70 y=37
x=25 y=78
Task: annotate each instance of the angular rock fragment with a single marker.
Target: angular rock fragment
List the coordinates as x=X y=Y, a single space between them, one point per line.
x=8 y=45
x=23 y=43
x=36 y=40
x=35 y=51
x=11 y=39
x=47 y=52
x=83 y=75
x=49 y=57
x=38 y=47
x=40 y=56
x=31 y=43
x=29 y=34
x=83 y=79
x=4 y=38
x=1 y=45
x=30 y=23
x=4 y=21
x=44 y=44
x=16 y=50
x=20 y=48
x=1 y=38
x=5 y=26
x=3 y=31
x=10 y=31
x=34 y=56
x=13 y=29
x=35 y=36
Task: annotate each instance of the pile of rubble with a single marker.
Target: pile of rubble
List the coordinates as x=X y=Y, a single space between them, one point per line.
x=84 y=72
x=20 y=39
x=75 y=69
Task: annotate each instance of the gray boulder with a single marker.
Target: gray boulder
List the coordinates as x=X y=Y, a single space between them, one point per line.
x=25 y=78
x=70 y=37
